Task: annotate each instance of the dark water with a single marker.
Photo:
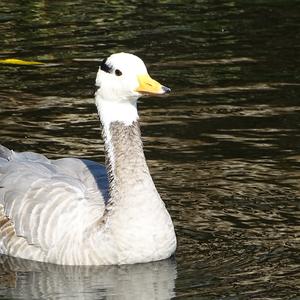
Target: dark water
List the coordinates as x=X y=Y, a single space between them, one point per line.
x=223 y=148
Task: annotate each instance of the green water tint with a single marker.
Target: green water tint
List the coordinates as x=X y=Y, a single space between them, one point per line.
x=223 y=147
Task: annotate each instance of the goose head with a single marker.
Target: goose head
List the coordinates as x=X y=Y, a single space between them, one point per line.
x=123 y=77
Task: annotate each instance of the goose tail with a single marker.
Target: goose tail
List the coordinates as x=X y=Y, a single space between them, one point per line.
x=4 y=152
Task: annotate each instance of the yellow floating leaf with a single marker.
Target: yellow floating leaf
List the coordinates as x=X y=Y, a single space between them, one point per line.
x=14 y=61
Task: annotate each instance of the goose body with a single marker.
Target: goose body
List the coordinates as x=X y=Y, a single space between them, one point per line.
x=78 y=212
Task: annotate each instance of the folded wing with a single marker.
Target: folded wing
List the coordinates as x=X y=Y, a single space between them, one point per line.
x=44 y=203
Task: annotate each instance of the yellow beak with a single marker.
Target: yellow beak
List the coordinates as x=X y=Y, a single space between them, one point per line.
x=147 y=85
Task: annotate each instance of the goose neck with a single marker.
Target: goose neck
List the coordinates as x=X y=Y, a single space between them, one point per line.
x=125 y=157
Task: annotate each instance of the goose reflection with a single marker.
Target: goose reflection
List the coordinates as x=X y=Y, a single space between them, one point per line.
x=33 y=280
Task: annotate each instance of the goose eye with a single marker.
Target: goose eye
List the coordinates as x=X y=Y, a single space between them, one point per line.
x=118 y=72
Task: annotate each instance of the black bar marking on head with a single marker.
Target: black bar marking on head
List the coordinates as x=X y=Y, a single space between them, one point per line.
x=105 y=67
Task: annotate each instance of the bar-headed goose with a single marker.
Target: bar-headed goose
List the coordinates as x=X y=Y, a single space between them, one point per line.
x=77 y=212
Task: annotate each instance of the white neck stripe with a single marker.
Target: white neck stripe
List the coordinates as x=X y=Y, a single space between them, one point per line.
x=113 y=111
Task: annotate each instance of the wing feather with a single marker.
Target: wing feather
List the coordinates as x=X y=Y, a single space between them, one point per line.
x=48 y=201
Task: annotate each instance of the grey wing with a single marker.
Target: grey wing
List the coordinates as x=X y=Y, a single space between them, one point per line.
x=92 y=174
x=45 y=201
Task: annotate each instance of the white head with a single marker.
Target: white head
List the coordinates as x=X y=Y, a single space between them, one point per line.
x=123 y=78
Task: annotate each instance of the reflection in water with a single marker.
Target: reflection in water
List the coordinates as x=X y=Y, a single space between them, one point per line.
x=33 y=280
x=223 y=147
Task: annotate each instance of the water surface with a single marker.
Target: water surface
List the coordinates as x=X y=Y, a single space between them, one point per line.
x=223 y=148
